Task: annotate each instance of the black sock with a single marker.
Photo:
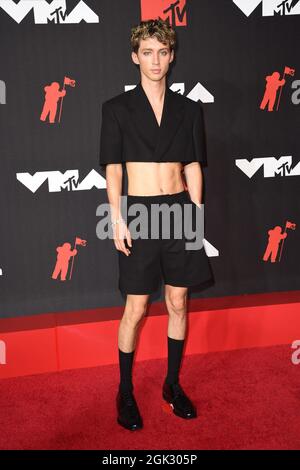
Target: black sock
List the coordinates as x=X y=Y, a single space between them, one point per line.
x=125 y=364
x=175 y=350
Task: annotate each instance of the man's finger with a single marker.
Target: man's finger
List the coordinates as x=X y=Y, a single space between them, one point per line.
x=124 y=249
x=128 y=238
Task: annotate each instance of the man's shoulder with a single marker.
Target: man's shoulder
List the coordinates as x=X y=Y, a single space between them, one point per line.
x=115 y=101
x=188 y=103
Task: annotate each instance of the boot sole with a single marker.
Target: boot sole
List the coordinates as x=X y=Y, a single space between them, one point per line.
x=130 y=428
x=176 y=413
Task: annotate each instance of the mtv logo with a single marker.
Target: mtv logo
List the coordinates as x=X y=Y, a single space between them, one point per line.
x=45 y=12
x=58 y=181
x=172 y=11
x=272 y=167
x=197 y=93
x=269 y=7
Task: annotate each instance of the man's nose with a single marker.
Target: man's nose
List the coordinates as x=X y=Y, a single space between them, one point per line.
x=155 y=59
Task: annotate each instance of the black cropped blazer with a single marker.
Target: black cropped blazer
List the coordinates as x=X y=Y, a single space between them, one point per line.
x=130 y=131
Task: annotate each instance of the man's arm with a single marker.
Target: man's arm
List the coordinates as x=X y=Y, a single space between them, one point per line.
x=111 y=161
x=111 y=139
x=194 y=181
x=192 y=170
x=114 y=173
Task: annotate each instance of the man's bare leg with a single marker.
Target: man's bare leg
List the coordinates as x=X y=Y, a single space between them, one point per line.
x=128 y=413
x=176 y=302
x=134 y=312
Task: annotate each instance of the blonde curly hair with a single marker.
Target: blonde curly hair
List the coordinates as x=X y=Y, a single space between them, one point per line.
x=154 y=27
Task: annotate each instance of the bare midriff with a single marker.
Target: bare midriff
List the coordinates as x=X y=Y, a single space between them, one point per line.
x=154 y=178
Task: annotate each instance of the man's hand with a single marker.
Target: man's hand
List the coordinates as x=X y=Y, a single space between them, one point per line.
x=120 y=232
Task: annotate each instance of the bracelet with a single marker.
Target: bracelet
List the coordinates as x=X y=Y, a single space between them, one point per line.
x=117 y=221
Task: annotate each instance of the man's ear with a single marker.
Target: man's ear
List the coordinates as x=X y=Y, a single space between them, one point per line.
x=135 y=58
x=172 y=56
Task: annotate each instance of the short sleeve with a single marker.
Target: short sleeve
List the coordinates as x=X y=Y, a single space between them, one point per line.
x=110 y=138
x=199 y=139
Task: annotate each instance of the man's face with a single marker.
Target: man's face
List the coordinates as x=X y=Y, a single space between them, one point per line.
x=154 y=58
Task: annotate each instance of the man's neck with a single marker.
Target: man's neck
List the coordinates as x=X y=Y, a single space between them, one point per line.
x=154 y=90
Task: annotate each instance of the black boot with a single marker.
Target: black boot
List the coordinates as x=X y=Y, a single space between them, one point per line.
x=178 y=400
x=128 y=413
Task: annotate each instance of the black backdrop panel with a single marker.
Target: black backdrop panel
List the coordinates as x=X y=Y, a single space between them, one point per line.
x=224 y=56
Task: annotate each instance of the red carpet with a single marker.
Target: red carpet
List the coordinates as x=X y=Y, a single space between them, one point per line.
x=246 y=399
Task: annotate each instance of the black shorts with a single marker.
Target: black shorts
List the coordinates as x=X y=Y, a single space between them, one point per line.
x=152 y=259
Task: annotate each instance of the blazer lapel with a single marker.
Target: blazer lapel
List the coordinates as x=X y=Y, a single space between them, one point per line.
x=159 y=138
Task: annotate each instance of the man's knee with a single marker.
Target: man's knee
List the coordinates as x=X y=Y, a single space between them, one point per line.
x=136 y=307
x=176 y=302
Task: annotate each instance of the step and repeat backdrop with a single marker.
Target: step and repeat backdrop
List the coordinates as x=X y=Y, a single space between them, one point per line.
x=60 y=59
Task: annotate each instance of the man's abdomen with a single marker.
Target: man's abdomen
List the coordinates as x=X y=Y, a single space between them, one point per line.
x=154 y=178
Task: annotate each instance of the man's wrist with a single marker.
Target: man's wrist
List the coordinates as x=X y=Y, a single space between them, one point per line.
x=116 y=221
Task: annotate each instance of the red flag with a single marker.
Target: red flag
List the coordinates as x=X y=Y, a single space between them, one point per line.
x=289 y=71
x=79 y=241
x=69 y=81
x=290 y=225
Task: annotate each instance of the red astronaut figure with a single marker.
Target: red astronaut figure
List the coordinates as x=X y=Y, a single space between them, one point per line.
x=64 y=253
x=52 y=95
x=275 y=237
x=272 y=85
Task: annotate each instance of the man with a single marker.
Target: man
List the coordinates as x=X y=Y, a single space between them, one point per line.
x=158 y=134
